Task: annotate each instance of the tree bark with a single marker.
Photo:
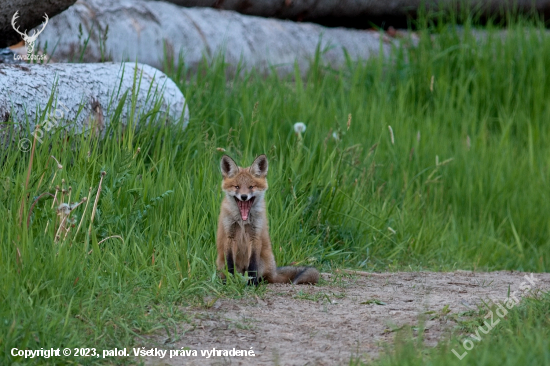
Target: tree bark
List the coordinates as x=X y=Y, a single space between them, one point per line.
x=31 y=14
x=363 y=13
x=84 y=96
x=150 y=31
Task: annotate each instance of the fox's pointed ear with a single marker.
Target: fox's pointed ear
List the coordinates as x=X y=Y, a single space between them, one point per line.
x=259 y=166
x=228 y=166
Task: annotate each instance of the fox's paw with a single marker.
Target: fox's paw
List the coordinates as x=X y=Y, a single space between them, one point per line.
x=253 y=279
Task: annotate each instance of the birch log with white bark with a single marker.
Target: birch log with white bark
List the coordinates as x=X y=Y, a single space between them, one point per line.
x=361 y=13
x=85 y=96
x=147 y=31
x=31 y=14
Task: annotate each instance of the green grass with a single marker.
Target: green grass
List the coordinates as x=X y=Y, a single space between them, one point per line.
x=463 y=184
x=521 y=338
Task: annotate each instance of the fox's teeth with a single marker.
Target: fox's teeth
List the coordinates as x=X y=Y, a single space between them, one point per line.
x=245 y=207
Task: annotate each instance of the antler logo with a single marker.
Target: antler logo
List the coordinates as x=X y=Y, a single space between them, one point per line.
x=29 y=39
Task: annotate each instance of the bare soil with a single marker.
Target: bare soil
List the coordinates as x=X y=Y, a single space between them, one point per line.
x=341 y=318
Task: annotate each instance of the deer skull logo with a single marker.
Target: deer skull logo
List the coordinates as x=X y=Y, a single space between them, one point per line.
x=29 y=39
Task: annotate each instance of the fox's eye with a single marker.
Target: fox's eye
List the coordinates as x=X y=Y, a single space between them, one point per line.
x=236 y=187
x=250 y=187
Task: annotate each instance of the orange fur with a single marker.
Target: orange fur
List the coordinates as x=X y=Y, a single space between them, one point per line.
x=243 y=241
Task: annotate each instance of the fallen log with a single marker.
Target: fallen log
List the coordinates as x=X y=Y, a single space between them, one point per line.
x=30 y=15
x=363 y=13
x=7 y=56
x=150 y=31
x=84 y=97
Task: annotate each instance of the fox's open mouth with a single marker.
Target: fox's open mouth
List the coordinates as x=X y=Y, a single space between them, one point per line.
x=244 y=207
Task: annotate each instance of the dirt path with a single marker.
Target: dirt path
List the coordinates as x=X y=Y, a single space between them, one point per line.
x=343 y=317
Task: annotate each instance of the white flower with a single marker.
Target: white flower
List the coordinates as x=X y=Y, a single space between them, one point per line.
x=335 y=136
x=299 y=127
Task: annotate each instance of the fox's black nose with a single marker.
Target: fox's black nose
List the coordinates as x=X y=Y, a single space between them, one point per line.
x=243 y=197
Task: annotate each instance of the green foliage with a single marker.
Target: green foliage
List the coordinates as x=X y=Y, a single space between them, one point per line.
x=459 y=182
x=521 y=338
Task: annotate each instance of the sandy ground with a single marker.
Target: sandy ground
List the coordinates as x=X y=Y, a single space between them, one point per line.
x=343 y=317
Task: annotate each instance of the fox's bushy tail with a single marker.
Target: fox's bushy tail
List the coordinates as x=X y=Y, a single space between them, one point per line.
x=297 y=275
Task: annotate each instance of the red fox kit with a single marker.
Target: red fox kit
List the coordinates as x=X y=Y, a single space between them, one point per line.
x=243 y=234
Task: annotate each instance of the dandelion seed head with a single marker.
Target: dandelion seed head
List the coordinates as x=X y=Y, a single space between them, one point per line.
x=299 y=127
x=64 y=209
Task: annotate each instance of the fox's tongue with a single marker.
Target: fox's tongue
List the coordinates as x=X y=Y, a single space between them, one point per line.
x=244 y=207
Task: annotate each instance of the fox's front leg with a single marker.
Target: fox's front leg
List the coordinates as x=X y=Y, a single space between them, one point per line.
x=252 y=268
x=225 y=253
x=225 y=258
